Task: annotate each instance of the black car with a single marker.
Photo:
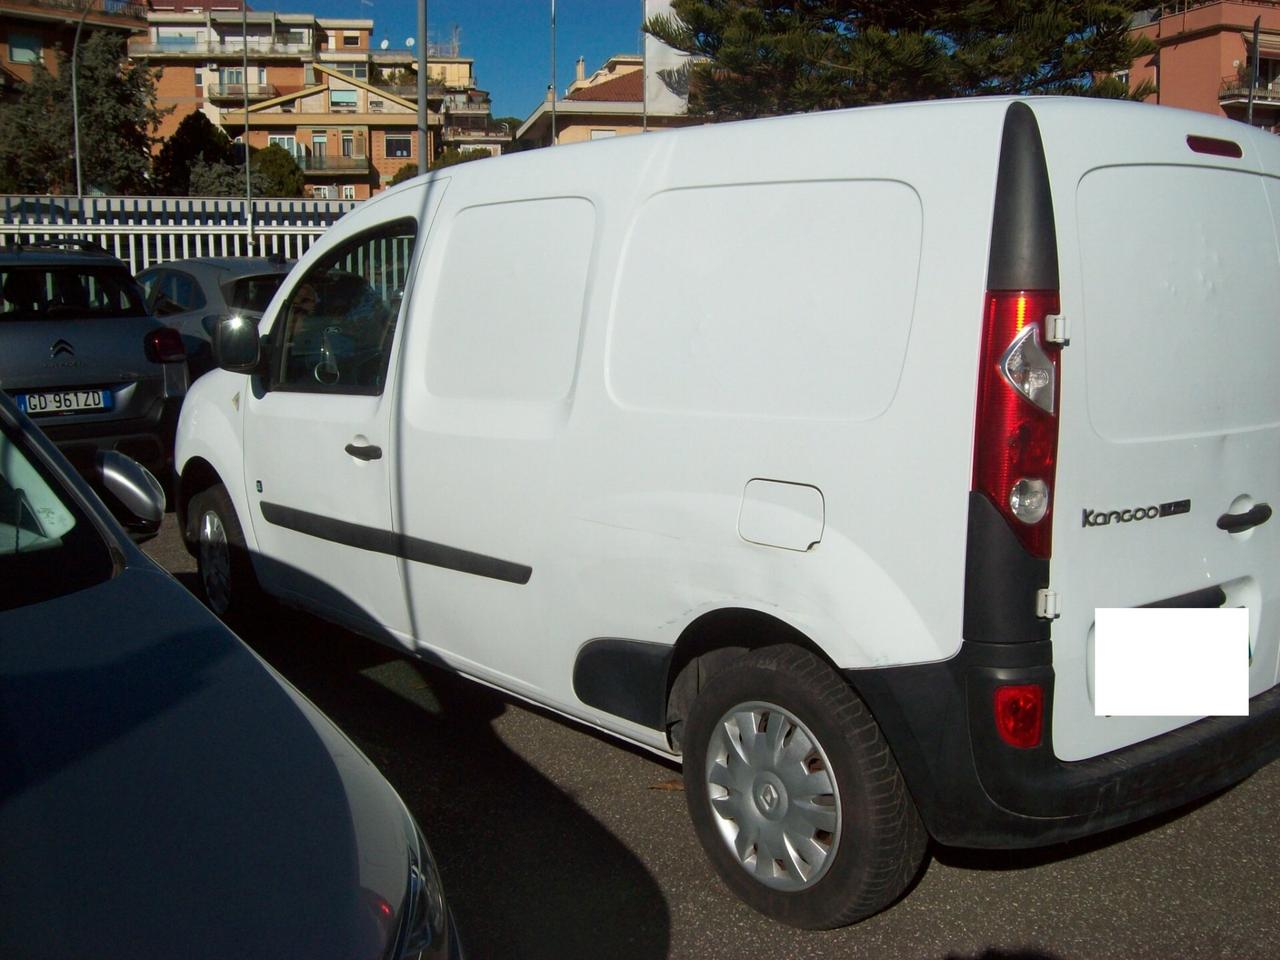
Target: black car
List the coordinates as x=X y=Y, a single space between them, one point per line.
x=163 y=792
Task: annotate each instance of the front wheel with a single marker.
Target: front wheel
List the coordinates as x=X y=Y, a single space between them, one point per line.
x=222 y=556
x=794 y=793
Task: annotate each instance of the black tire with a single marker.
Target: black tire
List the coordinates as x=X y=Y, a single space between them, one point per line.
x=226 y=573
x=878 y=843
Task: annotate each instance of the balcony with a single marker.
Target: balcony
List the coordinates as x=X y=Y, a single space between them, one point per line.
x=1235 y=91
x=410 y=91
x=476 y=134
x=326 y=164
x=115 y=9
x=469 y=109
x=191 y=47
x=238 y=91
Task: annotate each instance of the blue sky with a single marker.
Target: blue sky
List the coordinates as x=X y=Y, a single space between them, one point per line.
x=510 y=40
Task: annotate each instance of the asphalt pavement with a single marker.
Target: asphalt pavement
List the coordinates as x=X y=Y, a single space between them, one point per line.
x=558 y=842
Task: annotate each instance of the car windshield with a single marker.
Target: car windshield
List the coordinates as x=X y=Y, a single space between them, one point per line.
x=57 y=291
x=252 y=293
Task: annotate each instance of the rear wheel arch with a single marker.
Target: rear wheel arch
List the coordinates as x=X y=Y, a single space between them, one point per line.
x=713 y=641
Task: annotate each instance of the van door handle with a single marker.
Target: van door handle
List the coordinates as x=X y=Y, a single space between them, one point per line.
x=1236 y=522
x=365 y=452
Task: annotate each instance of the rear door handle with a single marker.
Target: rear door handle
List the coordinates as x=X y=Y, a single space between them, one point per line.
x=1237 y=522
x=365 y=452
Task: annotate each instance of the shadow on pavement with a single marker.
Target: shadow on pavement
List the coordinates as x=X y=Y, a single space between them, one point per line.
x=528 y=873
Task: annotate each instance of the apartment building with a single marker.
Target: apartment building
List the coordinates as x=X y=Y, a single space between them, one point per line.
x=32 y=30
x=1203 y=57
x=608 y=103
x=315 y=86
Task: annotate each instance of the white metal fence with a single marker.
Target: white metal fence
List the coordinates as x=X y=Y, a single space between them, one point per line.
x=144 y=231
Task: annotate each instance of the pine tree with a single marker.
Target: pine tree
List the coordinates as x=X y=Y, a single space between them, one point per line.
x=118 y=113
x=766 y=57
x=196 y=139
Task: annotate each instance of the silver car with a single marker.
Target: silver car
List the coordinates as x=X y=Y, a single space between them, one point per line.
x=83 y=357
x=193 y=295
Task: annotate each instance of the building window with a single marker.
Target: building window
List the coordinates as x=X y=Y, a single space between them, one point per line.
x=360 y=71
x=321 y=193
x=348 y=145
x=348 y=191
x=1122 y=76
x=376 y=106
x=399 y=147
x=232 y=75
x=342 y=100
x=24 y=47
x=284 y=140
x=351 y=39
x=603 y=134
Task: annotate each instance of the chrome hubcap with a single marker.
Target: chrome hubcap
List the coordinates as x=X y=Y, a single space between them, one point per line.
x=215 y=563
x=774 y=796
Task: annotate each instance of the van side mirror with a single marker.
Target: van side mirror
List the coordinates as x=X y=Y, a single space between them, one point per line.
x=134 y=496
x=236 y=345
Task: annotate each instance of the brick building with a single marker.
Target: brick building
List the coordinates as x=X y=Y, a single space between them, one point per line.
x=347 y=113
x=32 y=30
x=1203 y=57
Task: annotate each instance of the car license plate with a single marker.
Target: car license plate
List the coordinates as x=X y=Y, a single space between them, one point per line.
x=65 y=401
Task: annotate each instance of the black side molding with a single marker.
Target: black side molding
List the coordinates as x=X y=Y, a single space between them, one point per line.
x=395 y=544
x=1024 y=240
x=627 y=678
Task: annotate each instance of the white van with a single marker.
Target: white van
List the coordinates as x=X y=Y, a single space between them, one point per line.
x=802 y=450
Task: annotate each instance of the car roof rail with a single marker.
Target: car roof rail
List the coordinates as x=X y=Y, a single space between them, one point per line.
x=63 y=243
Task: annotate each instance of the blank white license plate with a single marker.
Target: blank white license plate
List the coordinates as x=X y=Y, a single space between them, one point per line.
x=66 y=401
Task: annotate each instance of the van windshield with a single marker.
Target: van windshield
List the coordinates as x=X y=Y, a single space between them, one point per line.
x=68 y=291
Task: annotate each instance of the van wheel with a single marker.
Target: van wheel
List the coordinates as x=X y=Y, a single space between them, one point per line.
x=222 y=557
x=794 y=793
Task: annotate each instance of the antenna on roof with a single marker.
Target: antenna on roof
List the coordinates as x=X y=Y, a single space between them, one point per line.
x=384 y=44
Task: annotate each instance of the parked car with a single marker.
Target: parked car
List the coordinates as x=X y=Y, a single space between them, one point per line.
x=193 y=295
x=83 y=357
x=162 y=790
x=774 y=460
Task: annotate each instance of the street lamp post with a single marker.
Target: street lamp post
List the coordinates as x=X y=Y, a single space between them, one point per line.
x=75 y=101
x=244 y=81
x=424 y=51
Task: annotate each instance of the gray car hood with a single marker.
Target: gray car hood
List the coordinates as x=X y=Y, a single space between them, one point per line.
x=164 y=793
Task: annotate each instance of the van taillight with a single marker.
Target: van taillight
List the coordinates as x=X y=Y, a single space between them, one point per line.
x=164 y=345
x=1019 y=714
x=1016 y=436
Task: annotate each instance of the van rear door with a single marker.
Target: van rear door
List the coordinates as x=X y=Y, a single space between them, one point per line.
x=1170 y=396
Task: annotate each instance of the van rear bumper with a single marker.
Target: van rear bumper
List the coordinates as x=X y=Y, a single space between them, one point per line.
x=973 y=790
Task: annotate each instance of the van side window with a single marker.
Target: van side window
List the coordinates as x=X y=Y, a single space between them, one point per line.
x=338 y=322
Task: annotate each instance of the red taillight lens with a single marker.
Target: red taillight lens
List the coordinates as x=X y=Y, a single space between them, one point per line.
x=1019 y=714
x=1016 y=435
x=164 y=345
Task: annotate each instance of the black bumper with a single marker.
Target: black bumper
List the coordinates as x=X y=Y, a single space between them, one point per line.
x=974 y=790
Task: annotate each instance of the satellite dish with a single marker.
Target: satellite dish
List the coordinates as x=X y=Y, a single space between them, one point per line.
x=409 y=42
x=384 y=44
